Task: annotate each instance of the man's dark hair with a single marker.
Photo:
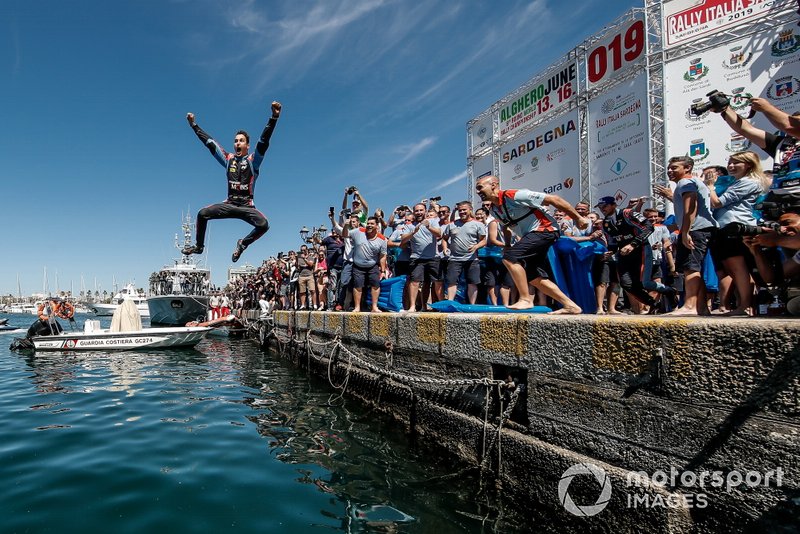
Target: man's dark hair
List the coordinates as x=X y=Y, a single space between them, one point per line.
x=245 y=134
x=372 y=218
x=686 y=161
x=719 y=169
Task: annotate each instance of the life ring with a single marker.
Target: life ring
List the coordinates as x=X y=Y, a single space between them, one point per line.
x=65 y=310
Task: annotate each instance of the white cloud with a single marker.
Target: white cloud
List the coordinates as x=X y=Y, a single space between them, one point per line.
x=460 y=177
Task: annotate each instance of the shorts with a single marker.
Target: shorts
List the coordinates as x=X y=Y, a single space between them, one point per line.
x=424 y=270
x=655 y=272
x=472 y=269
x=402 y=268
x=305 y=283
x=604 y=272
x=366 y=276
x=531 y=252
x=727 y=246
x=692 y=260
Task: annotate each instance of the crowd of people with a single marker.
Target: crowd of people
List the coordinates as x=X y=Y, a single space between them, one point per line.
x=496 y=253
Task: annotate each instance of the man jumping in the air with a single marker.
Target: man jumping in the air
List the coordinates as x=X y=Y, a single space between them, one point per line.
x=242 y=174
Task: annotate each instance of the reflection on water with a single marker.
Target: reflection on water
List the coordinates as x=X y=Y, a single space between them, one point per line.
x=205 y=439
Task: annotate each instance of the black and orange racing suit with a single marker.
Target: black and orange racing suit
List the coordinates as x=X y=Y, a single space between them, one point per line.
x=242 y=173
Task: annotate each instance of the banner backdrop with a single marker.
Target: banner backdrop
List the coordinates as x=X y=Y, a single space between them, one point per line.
x=765 y=65
x=685 y=21
x=542 y=97
x=619 y=144
x=481 y=135
x=545 y=159
x=480 y=167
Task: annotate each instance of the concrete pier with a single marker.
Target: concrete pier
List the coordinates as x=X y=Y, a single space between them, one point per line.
x=705 y=410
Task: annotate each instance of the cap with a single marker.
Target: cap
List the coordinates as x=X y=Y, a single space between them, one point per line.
x=604 y=201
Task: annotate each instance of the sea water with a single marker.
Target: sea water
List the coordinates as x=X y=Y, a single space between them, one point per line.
x=221 y=438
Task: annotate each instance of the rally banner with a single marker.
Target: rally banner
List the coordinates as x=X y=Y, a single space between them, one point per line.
x=766 y=65
x=684 y=21
x=619 y=144
x=480 y=167
x=620 y=48
x=545 y=159
x=480 y=135
x=541 y=98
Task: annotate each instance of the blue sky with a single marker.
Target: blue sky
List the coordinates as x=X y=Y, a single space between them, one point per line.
x=100 y=164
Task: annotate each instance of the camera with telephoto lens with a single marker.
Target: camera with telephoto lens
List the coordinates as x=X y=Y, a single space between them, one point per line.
x=717 y=102
x=352 y=189
x=742 y=230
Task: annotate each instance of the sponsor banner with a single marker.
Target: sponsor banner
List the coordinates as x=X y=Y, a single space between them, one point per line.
x=766 y=65
x=541 y=98
x=480 y=136
x=620 y=48
x=545 y=159
x=480 y=167
x=619 y=144
x=685 y=21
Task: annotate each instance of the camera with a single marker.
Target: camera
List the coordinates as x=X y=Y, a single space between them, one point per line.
x=331 y=211
x=742 y=230
x=776 y=204
x=717 y=102
x=352 y=189
x=346 y=213
x=436 y=199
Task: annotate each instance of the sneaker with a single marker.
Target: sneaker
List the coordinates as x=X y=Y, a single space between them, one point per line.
x=237 y=253
x=194 y=249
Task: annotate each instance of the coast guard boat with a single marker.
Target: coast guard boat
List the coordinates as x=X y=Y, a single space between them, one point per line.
x=179 y=292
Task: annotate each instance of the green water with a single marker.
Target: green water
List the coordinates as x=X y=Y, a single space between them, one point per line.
x=221 y=438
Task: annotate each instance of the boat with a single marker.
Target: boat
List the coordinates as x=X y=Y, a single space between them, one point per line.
x=146 y=338
x=179 y=293
x=22 y=307
x=127 y=292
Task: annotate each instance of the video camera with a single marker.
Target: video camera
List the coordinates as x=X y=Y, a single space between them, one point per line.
x=717 y=102
x=776 y=204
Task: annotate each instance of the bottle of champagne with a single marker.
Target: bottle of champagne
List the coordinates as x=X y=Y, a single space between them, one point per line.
x=776 y=308
x=763 y=300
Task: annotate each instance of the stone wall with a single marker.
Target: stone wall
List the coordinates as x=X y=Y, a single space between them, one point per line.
x=629 y=394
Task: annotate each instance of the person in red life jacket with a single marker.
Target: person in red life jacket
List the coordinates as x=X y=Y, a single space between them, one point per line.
x=242 y=173
x=522 y=212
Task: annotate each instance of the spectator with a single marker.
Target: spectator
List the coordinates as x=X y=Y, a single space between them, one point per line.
x=630 y=232
x=733 y=208
x=464 y=237
x=424 y=265
x=359 y=206
x=369 y=261
x=334 y=259
x=697 y=226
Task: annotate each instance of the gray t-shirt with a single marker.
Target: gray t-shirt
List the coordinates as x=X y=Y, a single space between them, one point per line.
x=397 y=235
x=461 y=236
x=423 y=243
x=737 y=202
x=367 y=252
x=703 y=219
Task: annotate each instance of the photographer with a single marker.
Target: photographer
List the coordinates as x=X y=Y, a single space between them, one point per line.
x=782 y=148
x=733 y=210
x=359 y=205
x=771 y=269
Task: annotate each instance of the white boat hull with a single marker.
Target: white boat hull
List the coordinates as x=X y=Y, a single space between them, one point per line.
x=109 y=309
x=147 y=338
